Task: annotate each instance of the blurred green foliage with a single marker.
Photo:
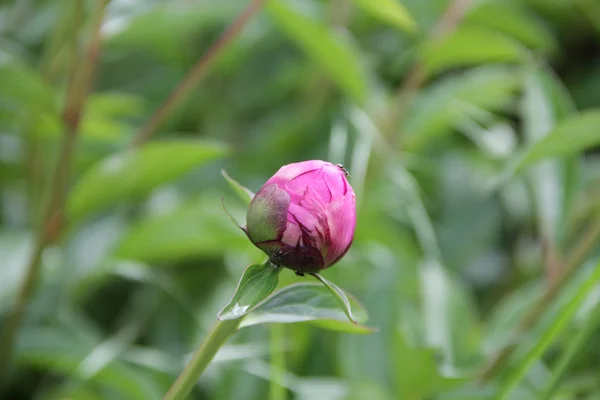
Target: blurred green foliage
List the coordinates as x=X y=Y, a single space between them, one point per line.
x=476 y=182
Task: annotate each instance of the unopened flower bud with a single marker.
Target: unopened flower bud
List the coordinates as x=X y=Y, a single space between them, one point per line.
x=304 y=217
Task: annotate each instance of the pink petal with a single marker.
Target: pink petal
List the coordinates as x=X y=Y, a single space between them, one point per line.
x=292 y=234
x=335 y=179
x=342 y=222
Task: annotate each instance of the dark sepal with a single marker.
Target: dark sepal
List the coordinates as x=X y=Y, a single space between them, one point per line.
x=302 y=259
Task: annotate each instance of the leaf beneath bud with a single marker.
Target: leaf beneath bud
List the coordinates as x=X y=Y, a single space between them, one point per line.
x=257 y=283
x=339 y=295
x=308 y=302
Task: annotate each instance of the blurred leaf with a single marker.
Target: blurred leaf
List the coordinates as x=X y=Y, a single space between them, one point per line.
x=134 y=173
x=574 y=134
x=418 y=375
x=450 y=319
x=560 y=320
x=61 y=352
x=552 y=181
x=335 y=55
x=257 y=283
x=105 y=114
x=371 y=357
x=197 y=228
x=469 y=46
x=590 y=9
x=512 y=19
x=574 y=350
x=508 y=313
x=389 y=11
x=367 y=390
x=164 y=28
x=15 y=249
x=439 y=108
x=308 y=302
x=24 y=88
x=244 y=194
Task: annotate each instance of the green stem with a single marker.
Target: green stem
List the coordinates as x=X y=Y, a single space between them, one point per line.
x=201 y=358
x=278 y=391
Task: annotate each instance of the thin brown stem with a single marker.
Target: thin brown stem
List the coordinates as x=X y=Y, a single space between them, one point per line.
x=417 y=76
x=588 y=239
x=75 y=102
x=552 y=259
x=188 y=82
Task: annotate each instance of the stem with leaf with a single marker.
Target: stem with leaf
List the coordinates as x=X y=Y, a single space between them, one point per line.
x=201 y=358
x=257 y=283
x=79 y=87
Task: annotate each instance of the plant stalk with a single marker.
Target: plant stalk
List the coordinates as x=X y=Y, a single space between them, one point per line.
x=417 y=76
x=201 y=358
x=588 y=240
x=277 y=390
x=192 y=78
x=80 y=84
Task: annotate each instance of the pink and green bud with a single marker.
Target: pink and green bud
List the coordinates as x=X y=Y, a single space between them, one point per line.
x=304 y=217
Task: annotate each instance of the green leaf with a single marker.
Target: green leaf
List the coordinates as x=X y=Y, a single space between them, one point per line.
x=559 y=322
x=62 y=351
x=107 y=114
x=449 y=314
x=573 y=135
x=417 y=370
x=15 y=247
x=574 y=350
x=505 y=317
x=442 y=106
x=335 y=55
x=161 y=29
x=339 y=295
x=245 y=194
x=514 y=20
x=469 y=46
x=197 y=228
x=308 y=302
x=231 y=217
x=389 y=11
x=134 y=173
x=24 y=88
x=257 y=283
x=553 y=182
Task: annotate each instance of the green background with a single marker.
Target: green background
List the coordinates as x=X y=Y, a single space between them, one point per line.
x=471 y=141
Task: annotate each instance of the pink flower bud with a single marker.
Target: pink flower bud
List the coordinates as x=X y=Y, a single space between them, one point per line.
x=304 y=216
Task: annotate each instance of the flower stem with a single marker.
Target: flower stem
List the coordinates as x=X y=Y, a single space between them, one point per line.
x=201 y=358
x=277 y=390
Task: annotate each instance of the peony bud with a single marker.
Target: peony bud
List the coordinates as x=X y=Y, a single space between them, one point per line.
x=303 y=218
